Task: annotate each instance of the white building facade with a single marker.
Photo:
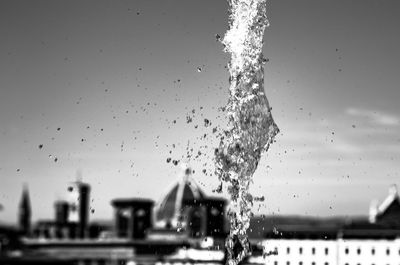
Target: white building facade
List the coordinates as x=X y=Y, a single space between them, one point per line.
x=330 y=252
x=373 y=242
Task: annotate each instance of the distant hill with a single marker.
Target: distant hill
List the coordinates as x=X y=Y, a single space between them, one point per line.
x=262 y=225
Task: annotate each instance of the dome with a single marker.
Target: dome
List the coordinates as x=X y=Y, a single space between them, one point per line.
x=170 y=207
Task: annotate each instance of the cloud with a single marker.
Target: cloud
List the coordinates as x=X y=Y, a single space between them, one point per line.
x=343 y=147
x=320 y=140
x=375 y=117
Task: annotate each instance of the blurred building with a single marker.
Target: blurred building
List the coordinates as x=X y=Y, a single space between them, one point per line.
x=25 y=212
x=71 y=217
x=188 y=225
x=206 y=218
x=9 y=238
x=61 y=209
x=79 y=202
x=133 y=217
x=169 y=212
x=335 y=241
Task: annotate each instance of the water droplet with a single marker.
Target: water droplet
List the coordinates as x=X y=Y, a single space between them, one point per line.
x=260 y=199
x=199 y=69
x=264 y=60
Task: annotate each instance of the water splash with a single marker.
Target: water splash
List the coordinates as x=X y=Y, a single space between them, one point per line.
x=251 y=128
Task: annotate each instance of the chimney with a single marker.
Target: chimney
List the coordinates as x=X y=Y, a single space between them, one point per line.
x=61 y=212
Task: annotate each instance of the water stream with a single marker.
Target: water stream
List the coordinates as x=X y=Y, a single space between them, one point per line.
x=251 y=128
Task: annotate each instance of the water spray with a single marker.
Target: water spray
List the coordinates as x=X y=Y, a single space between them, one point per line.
x=251 y=128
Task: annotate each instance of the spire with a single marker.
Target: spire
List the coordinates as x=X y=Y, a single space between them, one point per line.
x=25 y=211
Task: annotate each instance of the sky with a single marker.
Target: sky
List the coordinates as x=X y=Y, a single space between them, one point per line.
x=107 y=91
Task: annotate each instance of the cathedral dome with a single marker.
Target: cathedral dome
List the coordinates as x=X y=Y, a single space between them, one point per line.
x=169 y=210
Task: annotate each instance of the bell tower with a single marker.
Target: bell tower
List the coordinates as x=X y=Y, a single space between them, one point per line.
x=25 y=212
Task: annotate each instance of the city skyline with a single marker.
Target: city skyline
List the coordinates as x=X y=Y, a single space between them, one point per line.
x=104 y=91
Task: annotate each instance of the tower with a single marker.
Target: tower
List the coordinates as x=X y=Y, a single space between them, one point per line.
x=79 y=206
x=84 y=192
x=25 y=212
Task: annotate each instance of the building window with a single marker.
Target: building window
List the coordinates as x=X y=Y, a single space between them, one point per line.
x=346 y=251
x=313 y=251
x=288 y=250
x=387 y=251
x=373 y=251
x=326 y=251
x=358 y=251
x=301 y=250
